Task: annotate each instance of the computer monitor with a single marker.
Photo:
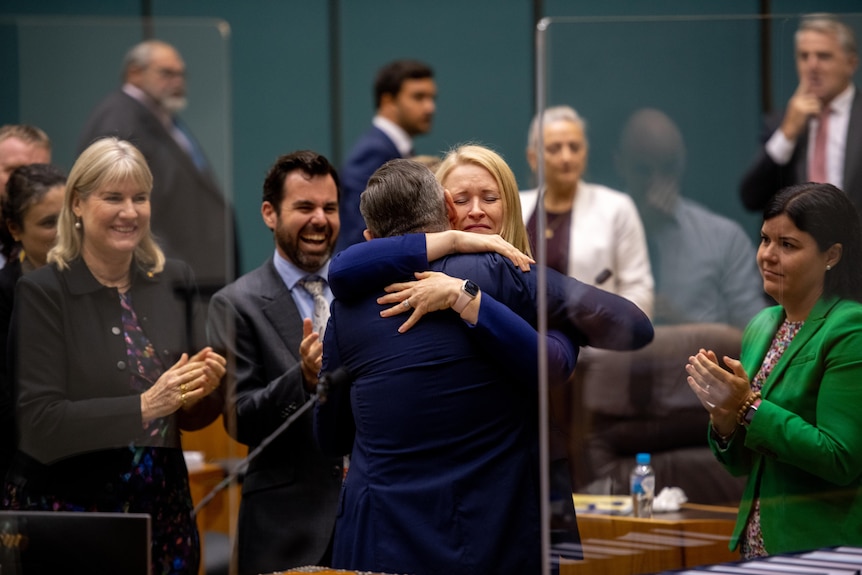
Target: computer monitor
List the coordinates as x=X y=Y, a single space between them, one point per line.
x=39 y=542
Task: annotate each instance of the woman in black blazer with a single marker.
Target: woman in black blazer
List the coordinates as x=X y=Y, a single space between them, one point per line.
x=101 y=338
x=28 y=228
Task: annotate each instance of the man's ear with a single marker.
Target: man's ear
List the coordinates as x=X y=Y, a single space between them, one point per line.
x=269 y=215
x=450 y=207
x=367 y=235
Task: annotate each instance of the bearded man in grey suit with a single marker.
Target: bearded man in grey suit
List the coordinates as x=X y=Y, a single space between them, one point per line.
x=192 y=219
x=262 y=323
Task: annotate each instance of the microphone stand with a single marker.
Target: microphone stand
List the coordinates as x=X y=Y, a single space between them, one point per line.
x=324 y=384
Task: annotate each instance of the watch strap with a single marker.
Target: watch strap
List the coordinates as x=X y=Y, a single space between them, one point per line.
x=464 y=299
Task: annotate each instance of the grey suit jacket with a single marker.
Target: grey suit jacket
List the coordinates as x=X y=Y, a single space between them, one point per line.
x=191 y=218
x=290 y=491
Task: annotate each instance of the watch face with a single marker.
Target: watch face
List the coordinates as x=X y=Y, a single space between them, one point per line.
x=471 y=288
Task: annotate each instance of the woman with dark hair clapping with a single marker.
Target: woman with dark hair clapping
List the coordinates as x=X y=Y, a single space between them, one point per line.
x=786 y=414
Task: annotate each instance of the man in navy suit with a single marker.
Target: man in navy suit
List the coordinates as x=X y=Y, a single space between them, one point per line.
x=290 y=490
x=826 y=59
x=192 y=219
x=404 y=94
x=441 y=419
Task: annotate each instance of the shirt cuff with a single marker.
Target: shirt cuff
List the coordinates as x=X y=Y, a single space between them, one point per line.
x=779 y=148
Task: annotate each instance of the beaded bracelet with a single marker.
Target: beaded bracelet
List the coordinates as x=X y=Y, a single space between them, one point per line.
x=740 y=415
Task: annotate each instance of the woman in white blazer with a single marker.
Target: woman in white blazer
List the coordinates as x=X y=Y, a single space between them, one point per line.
x=594 y=233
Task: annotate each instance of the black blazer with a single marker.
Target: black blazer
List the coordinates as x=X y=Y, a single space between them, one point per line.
x=290 y=491
x=765 y=178
x=8 y=435
x=70 y=361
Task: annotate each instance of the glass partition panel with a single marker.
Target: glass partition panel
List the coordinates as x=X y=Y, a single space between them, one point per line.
x=651 y=161
x=83 y=357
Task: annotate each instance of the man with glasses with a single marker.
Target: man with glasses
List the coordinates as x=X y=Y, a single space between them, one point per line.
x=191 y=217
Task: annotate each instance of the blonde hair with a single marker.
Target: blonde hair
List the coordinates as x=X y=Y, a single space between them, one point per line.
x=513 y=230
x=106 y=161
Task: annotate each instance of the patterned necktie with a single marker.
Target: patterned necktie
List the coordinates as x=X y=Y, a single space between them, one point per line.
x=817 y=170
x=314 y=286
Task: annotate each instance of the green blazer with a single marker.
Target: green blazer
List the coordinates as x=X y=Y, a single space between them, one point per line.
x=803 y=450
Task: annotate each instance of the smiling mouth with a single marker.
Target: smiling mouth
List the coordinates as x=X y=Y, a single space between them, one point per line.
x=317 y=239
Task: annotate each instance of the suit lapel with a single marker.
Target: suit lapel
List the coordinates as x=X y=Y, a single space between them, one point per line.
x=280 y=310
x=853 y=147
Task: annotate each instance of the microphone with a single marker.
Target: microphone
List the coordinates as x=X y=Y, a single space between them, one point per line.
x=325 y=383
x=603 y=276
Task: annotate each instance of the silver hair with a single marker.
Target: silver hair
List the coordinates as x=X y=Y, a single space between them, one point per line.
x=829 y=24
x=554 y=114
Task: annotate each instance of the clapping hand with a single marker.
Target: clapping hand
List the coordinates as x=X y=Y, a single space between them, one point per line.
x=720 y=391
x=184 y=384
x=311 y=352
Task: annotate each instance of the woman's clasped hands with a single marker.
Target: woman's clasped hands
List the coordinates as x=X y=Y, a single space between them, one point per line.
x=720 y=391
x=184 y=384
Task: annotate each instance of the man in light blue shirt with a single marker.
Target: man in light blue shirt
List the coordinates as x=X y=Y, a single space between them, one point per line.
x=262 y=323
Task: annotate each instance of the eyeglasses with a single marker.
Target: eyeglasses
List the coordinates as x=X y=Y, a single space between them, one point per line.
x=171 y=73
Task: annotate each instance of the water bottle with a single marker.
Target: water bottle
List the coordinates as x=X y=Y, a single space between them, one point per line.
x=643 y=486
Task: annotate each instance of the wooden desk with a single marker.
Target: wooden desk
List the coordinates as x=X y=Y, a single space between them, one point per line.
x=696 y=535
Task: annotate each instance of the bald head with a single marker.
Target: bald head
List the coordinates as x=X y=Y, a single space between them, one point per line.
x=651 y=154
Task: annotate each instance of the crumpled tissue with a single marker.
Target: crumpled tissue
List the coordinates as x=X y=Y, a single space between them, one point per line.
x=669 y=499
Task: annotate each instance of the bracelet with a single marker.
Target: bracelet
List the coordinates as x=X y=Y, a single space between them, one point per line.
x=722 y=440
x=740 y=415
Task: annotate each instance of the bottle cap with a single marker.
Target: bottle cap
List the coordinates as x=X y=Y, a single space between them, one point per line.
x=643 y=459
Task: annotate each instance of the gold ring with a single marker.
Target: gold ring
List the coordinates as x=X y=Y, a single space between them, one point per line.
x=183 y=387
x=183 y=398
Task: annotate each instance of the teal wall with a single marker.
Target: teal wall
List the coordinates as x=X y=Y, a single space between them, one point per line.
x=271 y=76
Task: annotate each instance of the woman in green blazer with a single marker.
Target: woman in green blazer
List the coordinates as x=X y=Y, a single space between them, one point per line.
x=793 y=425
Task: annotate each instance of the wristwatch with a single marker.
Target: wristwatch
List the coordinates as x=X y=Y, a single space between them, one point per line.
x=749 y=413
x=469 y=291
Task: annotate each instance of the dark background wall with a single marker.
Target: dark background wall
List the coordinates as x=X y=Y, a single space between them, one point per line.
x=271 y=76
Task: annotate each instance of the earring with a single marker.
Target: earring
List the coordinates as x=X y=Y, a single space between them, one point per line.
x=78 y=224
x=828 y=267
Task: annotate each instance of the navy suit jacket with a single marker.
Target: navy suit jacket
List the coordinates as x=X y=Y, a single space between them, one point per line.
x=372 y=150
x=444 y=465
x=765 y=178
x=290 y=490
x=191 y=218
x=444 y=472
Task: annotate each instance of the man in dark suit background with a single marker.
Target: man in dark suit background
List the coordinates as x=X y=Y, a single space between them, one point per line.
x=404 y=94
x=290 y=490
x=825 y=106
x=192 y=219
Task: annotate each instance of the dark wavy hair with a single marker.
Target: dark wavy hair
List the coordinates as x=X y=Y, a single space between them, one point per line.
x=826 y=213
x=308 y=162
x=26 y=187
